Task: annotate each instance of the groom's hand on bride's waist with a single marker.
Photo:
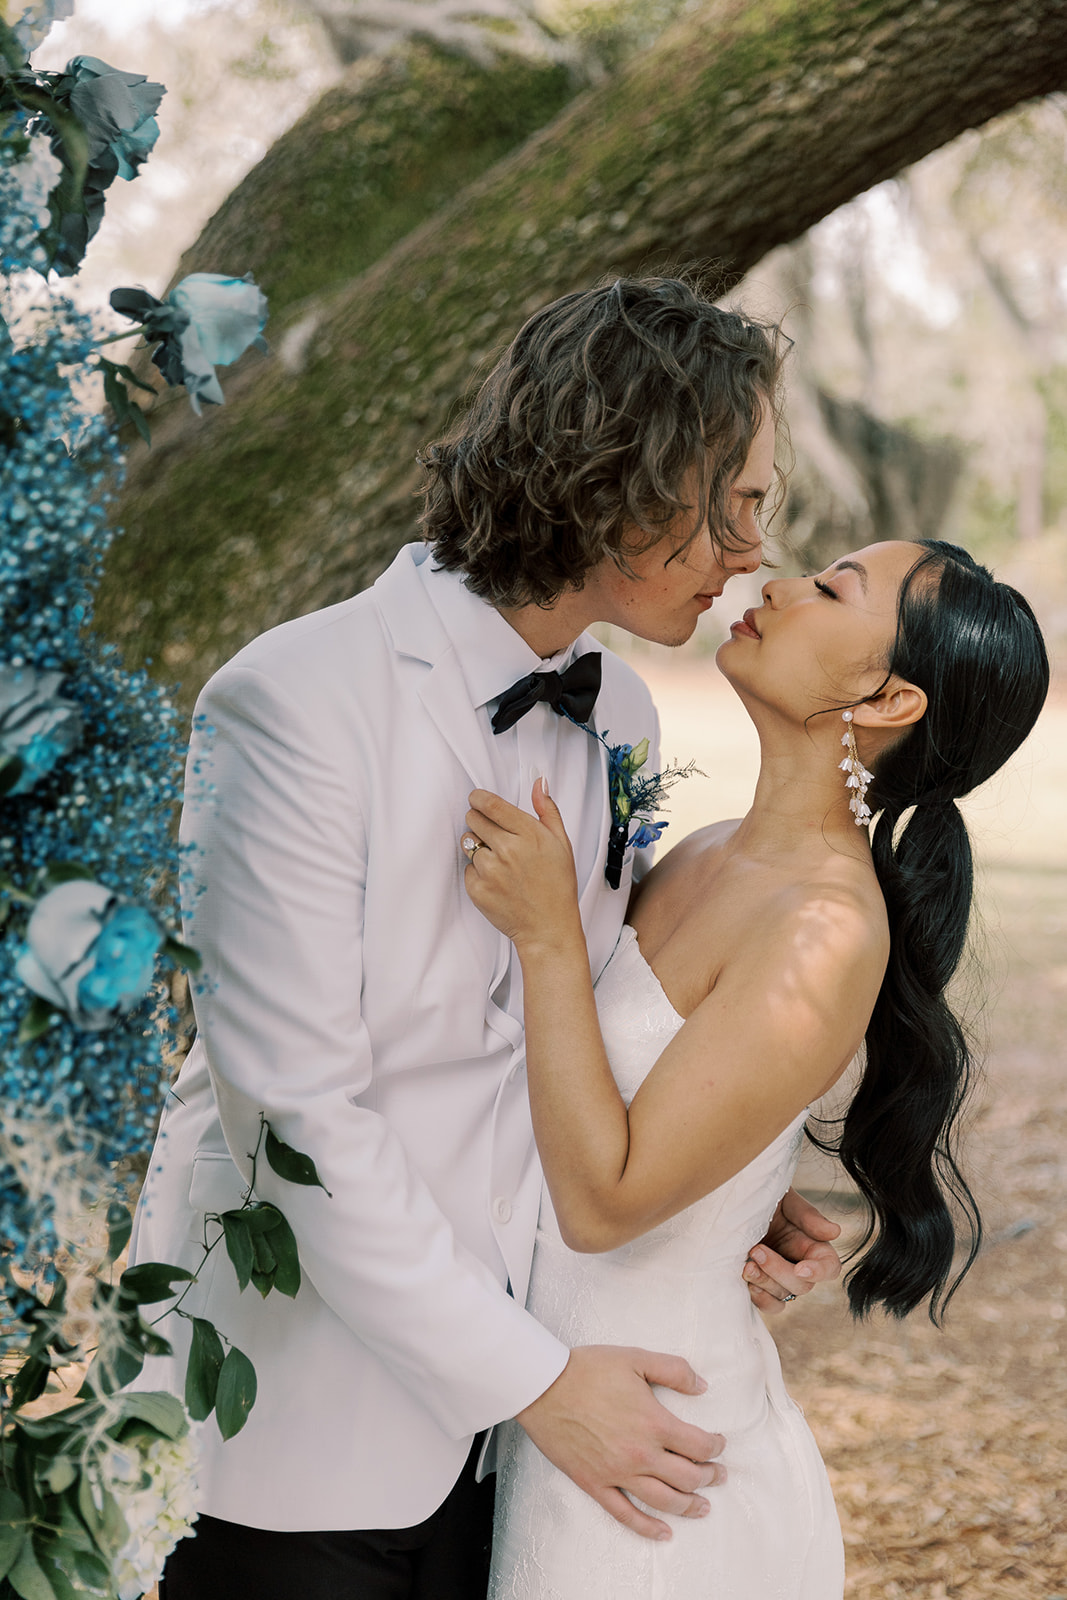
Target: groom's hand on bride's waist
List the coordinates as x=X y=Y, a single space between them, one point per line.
x=601 y=1424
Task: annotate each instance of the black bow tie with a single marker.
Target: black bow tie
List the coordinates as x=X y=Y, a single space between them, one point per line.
x=572 y=693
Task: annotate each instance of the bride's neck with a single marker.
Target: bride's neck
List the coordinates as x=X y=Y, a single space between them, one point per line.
x=801 y=801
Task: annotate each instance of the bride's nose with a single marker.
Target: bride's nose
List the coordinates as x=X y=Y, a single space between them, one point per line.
x=777 y=592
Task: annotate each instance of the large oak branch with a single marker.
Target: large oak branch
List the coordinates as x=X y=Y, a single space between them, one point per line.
x=745 y=125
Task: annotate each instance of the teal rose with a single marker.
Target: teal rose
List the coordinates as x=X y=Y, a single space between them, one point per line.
x=206 y=321
x=117 y=113
x=90 y=952
x=37 y=726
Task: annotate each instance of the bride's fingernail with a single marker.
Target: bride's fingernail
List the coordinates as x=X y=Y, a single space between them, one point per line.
x=544 y=786
x=666 y=1533
x=702 y=1384
x=805 y=1272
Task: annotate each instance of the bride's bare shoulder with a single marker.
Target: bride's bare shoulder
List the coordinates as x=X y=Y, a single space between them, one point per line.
x=700 y=842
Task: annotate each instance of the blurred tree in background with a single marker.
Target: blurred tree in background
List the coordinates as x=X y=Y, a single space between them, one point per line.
x=402 y=244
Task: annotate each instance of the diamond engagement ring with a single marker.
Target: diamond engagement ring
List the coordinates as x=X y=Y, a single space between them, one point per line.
x=470 y=845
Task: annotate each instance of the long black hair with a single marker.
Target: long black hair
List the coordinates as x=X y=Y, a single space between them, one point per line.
x=974 y=646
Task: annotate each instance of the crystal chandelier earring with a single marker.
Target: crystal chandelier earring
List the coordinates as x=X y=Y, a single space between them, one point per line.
x=858 y=776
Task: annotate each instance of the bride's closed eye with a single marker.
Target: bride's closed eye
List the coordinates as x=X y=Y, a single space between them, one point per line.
x=824 y=588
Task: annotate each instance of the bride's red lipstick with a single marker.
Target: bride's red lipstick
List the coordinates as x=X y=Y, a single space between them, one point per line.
x=745 y=627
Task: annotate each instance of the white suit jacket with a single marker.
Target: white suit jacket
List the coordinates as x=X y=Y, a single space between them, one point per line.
x=346 y=995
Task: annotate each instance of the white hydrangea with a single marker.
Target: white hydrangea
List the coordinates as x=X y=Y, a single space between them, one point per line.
x=158 y=1512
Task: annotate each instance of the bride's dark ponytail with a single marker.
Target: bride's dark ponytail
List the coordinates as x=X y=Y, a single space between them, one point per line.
x=975 y=648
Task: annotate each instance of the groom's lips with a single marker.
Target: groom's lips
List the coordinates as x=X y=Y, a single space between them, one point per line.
x=707 y=598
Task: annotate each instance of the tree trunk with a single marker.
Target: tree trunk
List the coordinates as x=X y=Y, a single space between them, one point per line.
x=749 y=121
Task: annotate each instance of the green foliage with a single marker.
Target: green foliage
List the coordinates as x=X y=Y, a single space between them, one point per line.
x=206 y=1356
x=236 y=1393
x=371 y=160
x=290 y=1164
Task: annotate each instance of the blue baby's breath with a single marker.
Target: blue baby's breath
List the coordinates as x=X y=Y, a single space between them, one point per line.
x=106 y=802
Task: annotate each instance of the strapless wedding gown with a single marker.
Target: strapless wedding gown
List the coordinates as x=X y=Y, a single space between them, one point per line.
x=773 y=1532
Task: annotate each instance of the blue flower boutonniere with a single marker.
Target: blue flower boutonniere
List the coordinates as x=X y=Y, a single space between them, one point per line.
x=633 y=796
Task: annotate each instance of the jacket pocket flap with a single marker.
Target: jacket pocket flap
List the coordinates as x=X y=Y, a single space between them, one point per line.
x=216 y=1184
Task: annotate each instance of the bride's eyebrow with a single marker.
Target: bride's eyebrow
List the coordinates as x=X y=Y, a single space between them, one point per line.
x=853 y=566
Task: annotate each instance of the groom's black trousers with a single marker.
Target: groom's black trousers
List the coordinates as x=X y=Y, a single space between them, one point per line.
x=444 y=1558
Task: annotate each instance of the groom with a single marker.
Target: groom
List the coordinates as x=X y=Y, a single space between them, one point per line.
x=611 y=469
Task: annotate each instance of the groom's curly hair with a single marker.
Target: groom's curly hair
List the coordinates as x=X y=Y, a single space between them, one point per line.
x=613 y=413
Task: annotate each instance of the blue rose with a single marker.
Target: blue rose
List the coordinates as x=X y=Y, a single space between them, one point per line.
x=90 y=952
x=645 y=834
x=117 y=110
x=207 y=320
x=117 y=113
x=37 y=726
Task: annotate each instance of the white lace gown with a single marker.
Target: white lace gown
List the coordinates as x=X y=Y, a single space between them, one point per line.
x=773 y=1532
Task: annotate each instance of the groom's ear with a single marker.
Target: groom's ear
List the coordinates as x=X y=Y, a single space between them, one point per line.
x=897 y=707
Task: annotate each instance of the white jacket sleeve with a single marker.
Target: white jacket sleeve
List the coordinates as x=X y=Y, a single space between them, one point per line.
x=275 y=872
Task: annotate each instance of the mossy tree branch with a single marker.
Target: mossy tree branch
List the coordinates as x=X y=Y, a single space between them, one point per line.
x=747 y=123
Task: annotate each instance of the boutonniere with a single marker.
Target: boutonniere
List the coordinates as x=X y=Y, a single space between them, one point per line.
x=633 y=798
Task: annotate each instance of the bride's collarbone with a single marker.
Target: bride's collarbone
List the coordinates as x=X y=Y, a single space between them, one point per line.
x=721 y=909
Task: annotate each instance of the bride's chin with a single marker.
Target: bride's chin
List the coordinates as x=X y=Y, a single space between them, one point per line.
x=727 y=661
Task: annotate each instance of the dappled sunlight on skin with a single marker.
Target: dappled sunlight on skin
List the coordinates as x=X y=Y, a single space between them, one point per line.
x=793 y=995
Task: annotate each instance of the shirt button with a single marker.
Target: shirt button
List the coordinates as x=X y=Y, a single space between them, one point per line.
x=502 y=1209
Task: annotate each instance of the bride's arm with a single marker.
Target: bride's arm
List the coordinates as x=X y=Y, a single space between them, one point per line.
x=786 y=1014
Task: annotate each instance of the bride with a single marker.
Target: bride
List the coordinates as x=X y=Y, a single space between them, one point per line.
x=759 y=957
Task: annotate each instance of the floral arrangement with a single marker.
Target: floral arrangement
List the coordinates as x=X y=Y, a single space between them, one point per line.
x=94 y=1492
x=634 y=797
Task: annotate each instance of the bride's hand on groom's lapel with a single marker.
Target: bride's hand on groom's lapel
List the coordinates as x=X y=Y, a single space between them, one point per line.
x=524 y=880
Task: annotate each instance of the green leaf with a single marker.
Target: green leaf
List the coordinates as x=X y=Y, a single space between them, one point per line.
x=202 y=1374
x=57 y=872
x=236 y=1392
x=162 y=1412
x=266 y=1260
x=131 y=377
x=261 y=1216
x=183 y=955
x=119 y=1228
x=62 y=1588
x=30 y=1380
x=92 y=1569
x=154 y=1344
x=12 y=1529
x=263 y=1281
x=118 y=398
x=113 y=1369
x=290 y=1164
x=9 y=887
x=27 y=1578
x=239 y=1245
x=10 y=772
x=37 y=1019
x=287 y=1271
x=150 y=1281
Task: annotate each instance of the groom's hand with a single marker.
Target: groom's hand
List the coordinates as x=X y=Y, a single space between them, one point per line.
x=601 y=1424
x=794 y=1255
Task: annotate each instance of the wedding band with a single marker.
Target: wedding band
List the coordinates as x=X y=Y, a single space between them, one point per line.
x=470 y=845
x=787 y=1297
